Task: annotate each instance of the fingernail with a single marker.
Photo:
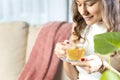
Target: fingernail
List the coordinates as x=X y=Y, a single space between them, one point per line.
x=82 y=59
x=67 y=42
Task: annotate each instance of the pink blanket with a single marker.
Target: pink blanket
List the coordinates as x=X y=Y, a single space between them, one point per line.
x=43 y=63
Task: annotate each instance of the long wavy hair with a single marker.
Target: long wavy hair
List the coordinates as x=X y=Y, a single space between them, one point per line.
x=110 y=16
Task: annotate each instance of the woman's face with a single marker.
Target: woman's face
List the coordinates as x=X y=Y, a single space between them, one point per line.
x=90 y=10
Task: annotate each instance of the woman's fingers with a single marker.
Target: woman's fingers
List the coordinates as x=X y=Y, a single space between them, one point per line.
x=66 y=42
x=84 y=62
x=91 y=57
x=81 y=64
x=85 y=65
x=88 y=69
x=60 y=48
x=91 y=63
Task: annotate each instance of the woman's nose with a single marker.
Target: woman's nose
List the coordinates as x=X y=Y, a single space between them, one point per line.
x=84 y=10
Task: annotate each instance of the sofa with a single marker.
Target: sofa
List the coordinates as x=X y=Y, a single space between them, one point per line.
x=16 y=41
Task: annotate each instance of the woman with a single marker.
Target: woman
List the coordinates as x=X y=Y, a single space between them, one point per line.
x=90 y=17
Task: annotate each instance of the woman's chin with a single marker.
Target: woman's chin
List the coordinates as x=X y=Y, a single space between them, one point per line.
x=89 y=23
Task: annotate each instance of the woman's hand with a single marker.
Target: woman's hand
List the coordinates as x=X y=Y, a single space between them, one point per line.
x=60 y=49
x=90 y=63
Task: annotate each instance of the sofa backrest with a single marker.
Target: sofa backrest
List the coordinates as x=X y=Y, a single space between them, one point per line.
x=13 y=42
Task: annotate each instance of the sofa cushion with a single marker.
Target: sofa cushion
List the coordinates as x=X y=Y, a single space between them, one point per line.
x=13 y=41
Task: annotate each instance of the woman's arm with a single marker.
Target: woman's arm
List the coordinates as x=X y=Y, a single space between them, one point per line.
x=115 y=61
x=70 y=70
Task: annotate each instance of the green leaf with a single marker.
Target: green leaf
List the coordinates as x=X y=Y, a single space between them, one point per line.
x=106 y=43
x=109 y=75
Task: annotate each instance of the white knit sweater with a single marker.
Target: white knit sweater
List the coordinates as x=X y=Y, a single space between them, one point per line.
x=96 y=28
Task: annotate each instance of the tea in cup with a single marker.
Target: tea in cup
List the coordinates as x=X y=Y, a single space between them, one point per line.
x=75 y=53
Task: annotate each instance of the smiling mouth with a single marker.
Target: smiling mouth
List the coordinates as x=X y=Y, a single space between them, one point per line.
x=88 y=18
